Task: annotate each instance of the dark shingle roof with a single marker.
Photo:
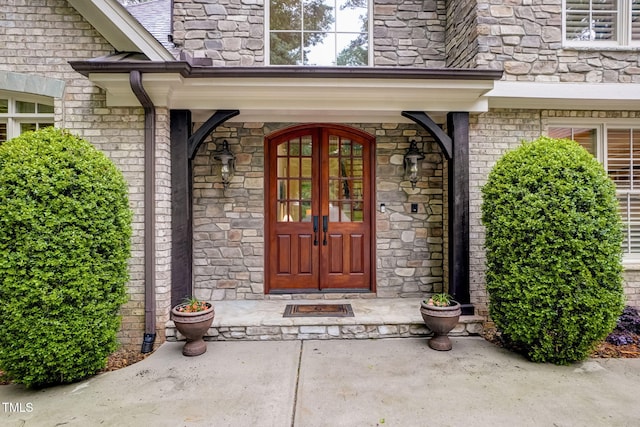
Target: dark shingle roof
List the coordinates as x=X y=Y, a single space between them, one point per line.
x=155 y=16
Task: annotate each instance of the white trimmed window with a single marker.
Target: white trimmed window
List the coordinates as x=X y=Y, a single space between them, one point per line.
x=19 y=114
x=318 y=32
x=601 y=23
x=617 y=146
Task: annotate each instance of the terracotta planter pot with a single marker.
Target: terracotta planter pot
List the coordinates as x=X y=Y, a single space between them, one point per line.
x=440 y=320
x=193 y=326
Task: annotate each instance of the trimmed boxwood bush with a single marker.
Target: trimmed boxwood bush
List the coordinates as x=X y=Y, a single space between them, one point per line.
x=65 y=228
x=553 y=246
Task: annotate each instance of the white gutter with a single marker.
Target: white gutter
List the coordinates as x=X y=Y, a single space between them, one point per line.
x=573 y=96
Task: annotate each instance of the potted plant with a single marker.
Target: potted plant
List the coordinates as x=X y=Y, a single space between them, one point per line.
x=441 y=314
x=192 y=319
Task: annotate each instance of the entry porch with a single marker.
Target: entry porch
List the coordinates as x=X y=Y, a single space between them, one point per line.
x=263 y=320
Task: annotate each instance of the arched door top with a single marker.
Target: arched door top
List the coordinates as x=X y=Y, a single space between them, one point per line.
x=344 y=128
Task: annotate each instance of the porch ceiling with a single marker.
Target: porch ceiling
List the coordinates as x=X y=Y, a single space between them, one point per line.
x=301 y=95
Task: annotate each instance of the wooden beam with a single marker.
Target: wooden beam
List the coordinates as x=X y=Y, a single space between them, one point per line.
x=207 y=127
x=181 y=211
x=458 y=130
x=443 y=140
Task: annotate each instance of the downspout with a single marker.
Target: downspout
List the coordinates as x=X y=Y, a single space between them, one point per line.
x=135 y=80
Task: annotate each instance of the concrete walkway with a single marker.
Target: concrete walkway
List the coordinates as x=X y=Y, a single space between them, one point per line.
x=386 y=382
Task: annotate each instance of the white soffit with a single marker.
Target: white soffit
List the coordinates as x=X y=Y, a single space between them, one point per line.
x=121 y=29
x=301 y=99
x=566 y=96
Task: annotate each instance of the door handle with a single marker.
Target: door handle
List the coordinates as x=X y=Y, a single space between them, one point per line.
x=325 y=227
x=315 y=230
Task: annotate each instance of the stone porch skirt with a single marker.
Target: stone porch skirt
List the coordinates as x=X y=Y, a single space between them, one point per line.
x=373 y=318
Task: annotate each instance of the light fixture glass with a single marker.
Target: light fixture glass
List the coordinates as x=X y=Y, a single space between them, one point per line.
x=227 y=163
x=412 y=159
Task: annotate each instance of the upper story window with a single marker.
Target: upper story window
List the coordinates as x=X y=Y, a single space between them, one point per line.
x=318 y=32
x=604 y=23
x=22 y=114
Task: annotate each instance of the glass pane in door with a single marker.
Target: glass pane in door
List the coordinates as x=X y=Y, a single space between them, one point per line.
x=294 y=177
x=345 y=180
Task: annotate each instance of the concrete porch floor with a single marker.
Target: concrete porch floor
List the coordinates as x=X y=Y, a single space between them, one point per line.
x=373 y=318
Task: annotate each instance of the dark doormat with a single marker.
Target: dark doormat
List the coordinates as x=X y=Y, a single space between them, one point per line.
x=318 y=310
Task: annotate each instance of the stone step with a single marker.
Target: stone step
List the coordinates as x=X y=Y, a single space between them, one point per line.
x=373 y=318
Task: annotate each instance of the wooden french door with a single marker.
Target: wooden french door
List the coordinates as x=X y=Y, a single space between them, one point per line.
x=319 y=209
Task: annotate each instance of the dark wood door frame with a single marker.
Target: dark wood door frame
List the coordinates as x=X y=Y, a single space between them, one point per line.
x=184 y=147
x=322 y=130
x=455 y=147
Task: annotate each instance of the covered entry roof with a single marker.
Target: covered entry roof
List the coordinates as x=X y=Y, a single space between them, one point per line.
x=283 y=94
x=295 y=94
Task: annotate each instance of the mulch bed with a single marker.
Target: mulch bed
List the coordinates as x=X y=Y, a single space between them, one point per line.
x=122 y=358
x=607 y=350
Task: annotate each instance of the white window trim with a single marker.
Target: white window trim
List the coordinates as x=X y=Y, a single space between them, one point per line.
x=623 y=33
x=601 y=126
x=267 y=36
x=14 y=119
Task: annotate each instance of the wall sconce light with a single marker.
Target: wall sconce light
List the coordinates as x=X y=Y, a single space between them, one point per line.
x=412 y=159
x=227 y=163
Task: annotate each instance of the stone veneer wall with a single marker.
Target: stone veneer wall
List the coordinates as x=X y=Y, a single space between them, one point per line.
x=39 y=38
x=492 y=135
x=228 y=225
x=231 y=33
x=409 y=33
x=462 y=34
x=405 y=32
x=525 y=40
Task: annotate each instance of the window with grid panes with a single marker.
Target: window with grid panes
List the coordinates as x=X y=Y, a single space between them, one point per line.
x=601 y=22
x=621 y=157
x=318 y=32
x=19 y=114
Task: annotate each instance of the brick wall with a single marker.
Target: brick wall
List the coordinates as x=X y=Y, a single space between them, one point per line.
x=631 y=268
x=39 y=38
x=228 y=225
x=491 y=135
x=163 y=221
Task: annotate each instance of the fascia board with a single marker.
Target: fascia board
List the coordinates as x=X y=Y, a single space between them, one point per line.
x=284 y=97
x=121 y=29
x=575 y=96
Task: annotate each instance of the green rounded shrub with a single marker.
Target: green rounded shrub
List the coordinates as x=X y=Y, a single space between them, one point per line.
x=553 y=247
x=65 y=228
